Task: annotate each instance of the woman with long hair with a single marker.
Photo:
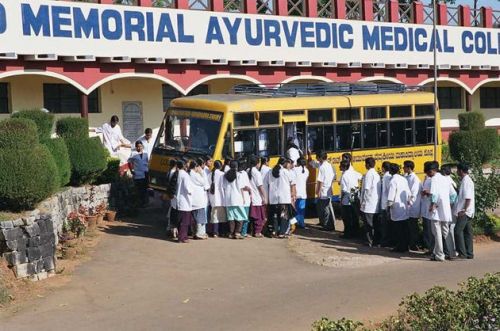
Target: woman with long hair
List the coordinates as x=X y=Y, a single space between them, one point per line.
x=245 y=183
x=257 y=208
x=216 y=197
x=301 y=176
x=184 y=201
x=200 y=199
x=233 y=198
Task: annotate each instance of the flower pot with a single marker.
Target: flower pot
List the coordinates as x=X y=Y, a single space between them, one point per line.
x=91 y=221
x=111 y=215
x=100 y=218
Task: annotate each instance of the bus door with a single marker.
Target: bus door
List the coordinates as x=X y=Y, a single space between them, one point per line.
x=294 y=129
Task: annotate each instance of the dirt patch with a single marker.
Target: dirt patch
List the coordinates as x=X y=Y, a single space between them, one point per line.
x=22 y=292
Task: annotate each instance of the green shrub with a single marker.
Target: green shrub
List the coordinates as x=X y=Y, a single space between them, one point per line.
x=59 y=151
x=487 y=195
x=112 y=172
x=324 y=324
x=44 y=121
x=18 y=133
x=26 y=177
x=72 y=127
x=474 y=147
x=470 y=121
x=88 y=159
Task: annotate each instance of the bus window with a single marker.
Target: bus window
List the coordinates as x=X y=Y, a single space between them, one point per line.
x=269 y=142
x=375 y=135
x=227 y=150
x=348 y=136
x=372 y=113
x=269 y=118
x=244 y=142
x=400 y=111
x=424 y=132
x=244 y=120
x=348 y=114
x=315 y=138
x=401 y=133
x=424 y=110
x=320 y=116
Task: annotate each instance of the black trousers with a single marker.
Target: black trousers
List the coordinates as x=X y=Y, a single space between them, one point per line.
x=325 y=213
x=351 y=221
x=413 y=232
x=464 y=236
x=402 y=235
x=280 y=216
x=385 y=228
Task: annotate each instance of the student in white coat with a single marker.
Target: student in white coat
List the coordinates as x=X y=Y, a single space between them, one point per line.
x=370 y=200
x=233 y=196
x=199 y=198
x=324 y=182
x=349 y=184
x=258 y=213
x=446 y=172
x=184 y=201
x=425 y=203
x=301 y=176
x=464 y=211
x=264 y=166
x=414 y=212
x=216 y=198
x=386 y=226
x=442 y=193
x=247 y=201
x=398 y=201
x=292 y=151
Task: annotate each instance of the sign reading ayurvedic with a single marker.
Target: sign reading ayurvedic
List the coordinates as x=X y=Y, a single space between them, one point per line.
x=79 y=29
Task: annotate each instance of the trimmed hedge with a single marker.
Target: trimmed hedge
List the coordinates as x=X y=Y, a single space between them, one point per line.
x=88 y=159
x=26 y=177
x=469 y=121
x=72 y=127
x=18 y=133
x=44 y=121
x=473 y=147
x=59 y=151
x=112 y=172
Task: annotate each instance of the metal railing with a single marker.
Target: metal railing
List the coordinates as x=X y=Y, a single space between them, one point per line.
x=381 y=10
x=406 y=13
x=428 y=14
x=199 y=4
x=296 y=7
x=266 y=7
x=453 y=16
x=164 y=3
x=476 y=18
x=353 y=10
x=234 y=6
x=326 y=9
x=496 y=18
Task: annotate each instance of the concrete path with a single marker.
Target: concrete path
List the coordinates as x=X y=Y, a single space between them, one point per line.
x=139 y=281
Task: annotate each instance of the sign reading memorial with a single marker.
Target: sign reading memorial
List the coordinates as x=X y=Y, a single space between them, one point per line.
x=82 y=29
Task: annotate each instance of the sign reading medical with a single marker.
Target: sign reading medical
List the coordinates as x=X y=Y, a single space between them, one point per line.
x=79 y=29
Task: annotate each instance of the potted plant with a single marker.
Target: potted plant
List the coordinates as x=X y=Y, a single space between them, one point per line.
x=110 y=215
x=100 y=211
x=89 y=215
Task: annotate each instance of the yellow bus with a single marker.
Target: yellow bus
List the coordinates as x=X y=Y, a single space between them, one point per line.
x=386 y=121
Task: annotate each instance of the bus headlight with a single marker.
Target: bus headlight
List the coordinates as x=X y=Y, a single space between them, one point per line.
x=153 y=180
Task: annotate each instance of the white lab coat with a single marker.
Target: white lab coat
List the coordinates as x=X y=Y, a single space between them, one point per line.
x=140 y=165
x=200 y=187
x=293 y=154
x=386 y=181
x=349 y=181
x=148 y=145
x=370 y=192
x=232 y=192
x=415 y=188
x=425 y=201
x=217 y=199
x=301 y=181
x=326 y=175
x=264 y=170
x=280 y=191
x=441 y=191
x=184 y=195
x=255 y=182
x=398 y=198
x=466 y=192
x=245 y=182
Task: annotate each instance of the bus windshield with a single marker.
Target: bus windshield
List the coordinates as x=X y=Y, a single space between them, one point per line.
x=189 y=131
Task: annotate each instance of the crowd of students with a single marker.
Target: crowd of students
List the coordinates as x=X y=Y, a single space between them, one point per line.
x=245 y=197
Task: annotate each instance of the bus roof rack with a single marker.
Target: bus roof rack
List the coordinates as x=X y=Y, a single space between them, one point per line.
x=322 y=89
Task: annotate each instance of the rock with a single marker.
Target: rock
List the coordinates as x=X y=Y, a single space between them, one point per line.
x=11 y=234
x=32 y=230
x=41 y=225
x=47 y=250
x=47 y=238
x=28 y=221
x=39 y=265
x=18 y=222
x=21 y=270
x=42 y=275
x=6 y=225
x=49 y=263
x=34 y=242
x=15 y=258
x=35 y=213
x=34 y=254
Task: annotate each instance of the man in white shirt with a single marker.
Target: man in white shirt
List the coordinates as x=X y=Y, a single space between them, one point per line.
x=112 y=136
x=397 y=200
x=349 y=183
x=147 y=141
x=386 y=228
x=370 y=199
x=464 y=211
x=414 y=211
x=441 y=194
x=324 y=182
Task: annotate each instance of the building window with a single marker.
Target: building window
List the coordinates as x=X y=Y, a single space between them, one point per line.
x=4 y=98
x=450 y=97
x=67 y=99
x=170 y=93
x=489 y=97
x=424 y=110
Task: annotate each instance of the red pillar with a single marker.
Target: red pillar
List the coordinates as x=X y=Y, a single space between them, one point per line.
x=181 y=4
x=250 y=6
x=487 y=17
x=145 y=3
x=418 y=12
x=312 y=8
x=340 y=9
x=367 y=10
x=84 y=105
x=464 y=12
x=281 y=7
x=105 y=2
x=217 y=5
x=442 y=17
x=468 y=102
x=394 y=11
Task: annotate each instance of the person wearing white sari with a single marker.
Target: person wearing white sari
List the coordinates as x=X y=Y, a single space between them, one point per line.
x=113 y=138
x=441 y=194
